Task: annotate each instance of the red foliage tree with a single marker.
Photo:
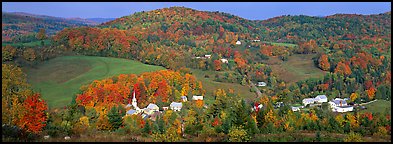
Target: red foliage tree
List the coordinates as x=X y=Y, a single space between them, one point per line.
x=35 y=116
x=217 y=65
x=343 y=69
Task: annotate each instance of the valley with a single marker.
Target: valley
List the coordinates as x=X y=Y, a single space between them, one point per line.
x=178 y=74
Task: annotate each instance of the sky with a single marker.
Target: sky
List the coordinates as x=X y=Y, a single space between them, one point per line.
x=248 y=10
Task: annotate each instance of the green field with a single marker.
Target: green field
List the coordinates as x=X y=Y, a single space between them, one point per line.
x=60 y=78
x=280 y=44
x=210 y=86
x=298 y=67
x=29 y=44
x=381 y=106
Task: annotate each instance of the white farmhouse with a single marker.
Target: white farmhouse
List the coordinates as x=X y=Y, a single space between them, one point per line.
x=153 y=107
x=295 y=109
x=208 y=56
x=224 y=60
x=183 y=98
x=175 y=106
x=238 y=43
x=197 y=97
x=321 y=99
x=342 y=109
x=307 y=101
x=340 y=105
x=261 y=84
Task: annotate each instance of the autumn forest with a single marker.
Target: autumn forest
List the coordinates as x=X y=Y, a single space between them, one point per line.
x=180 y=74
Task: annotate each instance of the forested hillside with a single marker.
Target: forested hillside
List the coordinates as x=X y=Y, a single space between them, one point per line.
x=342 y=56
x=17 y=24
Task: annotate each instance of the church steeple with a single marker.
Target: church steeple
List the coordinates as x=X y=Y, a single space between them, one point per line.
x=134 y=103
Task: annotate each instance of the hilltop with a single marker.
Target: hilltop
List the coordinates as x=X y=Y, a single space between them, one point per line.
x=20 y=23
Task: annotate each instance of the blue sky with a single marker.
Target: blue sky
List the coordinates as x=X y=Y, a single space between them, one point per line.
x=248 y=10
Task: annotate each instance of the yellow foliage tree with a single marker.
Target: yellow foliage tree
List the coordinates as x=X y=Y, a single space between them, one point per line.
x=238 y=134
x=103 y=123
x=352 y=120
x=15 y=89
x=269 y=117
x=340 y=120
x=353 y=96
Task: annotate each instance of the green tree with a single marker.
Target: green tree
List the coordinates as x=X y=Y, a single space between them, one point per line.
x=147 y=127
x=251 y=126
x=115 y=118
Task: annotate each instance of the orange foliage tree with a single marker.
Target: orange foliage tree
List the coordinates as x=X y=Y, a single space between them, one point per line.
x=371 y=93
x=35 y=116
x=324 y=63
x=119 y=90
x=343 y=69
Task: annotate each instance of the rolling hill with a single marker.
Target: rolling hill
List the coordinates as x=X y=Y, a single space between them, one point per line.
x=19 y=23
x=59 y=79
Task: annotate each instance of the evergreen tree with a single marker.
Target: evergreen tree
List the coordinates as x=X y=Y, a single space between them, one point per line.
x=115 y=118
x=147 y=128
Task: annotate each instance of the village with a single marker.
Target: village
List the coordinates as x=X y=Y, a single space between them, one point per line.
x=339 y=105
x=152 y=111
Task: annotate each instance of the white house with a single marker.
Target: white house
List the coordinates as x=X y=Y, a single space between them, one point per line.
x=295 y=109
x=261 y=84
x=307 y=101
x=175 y=106
x=208 y=56
x=340 y=105
x=224 y=60
x=165 y=108
x=257 y=40
x=197 y=97
x=238 y=43
x=153 y=107
x=321 y=99
x=183 y=98
x=342 y=109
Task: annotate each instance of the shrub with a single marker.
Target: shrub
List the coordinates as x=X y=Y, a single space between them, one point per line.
x=353 y=137
x=238 y=134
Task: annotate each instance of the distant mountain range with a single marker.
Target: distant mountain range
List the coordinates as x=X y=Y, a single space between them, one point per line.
x=21 y=23
x=100 y=20
x=88 y=21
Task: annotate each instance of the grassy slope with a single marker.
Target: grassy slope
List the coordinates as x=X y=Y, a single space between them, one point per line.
x=381 y=106
x=210 y=86
x=280 y=44
x=60 y=78
x=298 y=67
x=28 y=44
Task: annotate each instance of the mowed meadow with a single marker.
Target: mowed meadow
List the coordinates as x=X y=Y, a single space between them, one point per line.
x=59 y=79
x=298 y=67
